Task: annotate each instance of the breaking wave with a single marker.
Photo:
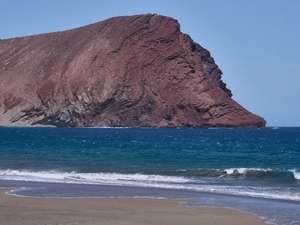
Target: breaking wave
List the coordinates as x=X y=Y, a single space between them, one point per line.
x=191 y=183
x=258 y=173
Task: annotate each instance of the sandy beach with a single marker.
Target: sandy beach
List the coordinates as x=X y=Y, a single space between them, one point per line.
x=16 y=210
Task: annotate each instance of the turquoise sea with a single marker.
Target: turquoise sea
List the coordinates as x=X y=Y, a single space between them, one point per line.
x=252 y=170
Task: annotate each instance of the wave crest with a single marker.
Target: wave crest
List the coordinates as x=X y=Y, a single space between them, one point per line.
x=190 y=183
x=296 y=174
x=257 y=173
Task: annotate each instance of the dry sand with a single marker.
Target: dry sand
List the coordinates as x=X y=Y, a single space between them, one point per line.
x=111 y=211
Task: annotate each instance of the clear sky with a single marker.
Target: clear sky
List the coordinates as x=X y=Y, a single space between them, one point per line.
x=256 y=43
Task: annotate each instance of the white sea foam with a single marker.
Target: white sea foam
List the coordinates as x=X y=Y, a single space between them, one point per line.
x=296 y=174
x=233 y=170
x=244 y=170
x=88 y=178
x=153 y=181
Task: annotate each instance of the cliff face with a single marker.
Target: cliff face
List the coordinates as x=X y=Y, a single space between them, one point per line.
x=134 y=71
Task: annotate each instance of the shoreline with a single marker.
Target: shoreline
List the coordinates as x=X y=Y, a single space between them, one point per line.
x=15 y=210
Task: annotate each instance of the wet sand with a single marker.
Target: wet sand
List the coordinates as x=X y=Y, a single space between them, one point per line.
x=16 y=210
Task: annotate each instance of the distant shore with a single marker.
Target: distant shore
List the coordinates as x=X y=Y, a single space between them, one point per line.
x=93 y=211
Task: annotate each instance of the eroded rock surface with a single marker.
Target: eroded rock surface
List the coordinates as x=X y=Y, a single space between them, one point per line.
x=135 y=71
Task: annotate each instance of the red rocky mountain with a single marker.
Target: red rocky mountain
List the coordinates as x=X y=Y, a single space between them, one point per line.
x=132 y=71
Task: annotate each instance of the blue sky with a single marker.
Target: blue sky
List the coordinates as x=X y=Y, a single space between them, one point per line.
x=254 y=42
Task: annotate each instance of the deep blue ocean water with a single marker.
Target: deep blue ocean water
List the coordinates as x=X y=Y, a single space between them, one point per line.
x=253 y=170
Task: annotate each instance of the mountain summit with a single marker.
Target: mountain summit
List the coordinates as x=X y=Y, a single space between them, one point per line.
x=131 y=71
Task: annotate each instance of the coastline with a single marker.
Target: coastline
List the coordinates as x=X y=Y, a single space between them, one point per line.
x=35 y=211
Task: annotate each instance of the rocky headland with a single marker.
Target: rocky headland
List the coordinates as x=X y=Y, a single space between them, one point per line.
x=132 y=71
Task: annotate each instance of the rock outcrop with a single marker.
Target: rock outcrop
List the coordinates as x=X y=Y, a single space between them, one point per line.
x=135 y=71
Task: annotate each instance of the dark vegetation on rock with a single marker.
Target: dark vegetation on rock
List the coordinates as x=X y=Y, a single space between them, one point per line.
x=134 y=71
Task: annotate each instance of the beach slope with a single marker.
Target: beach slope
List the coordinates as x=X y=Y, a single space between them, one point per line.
x=111 y=211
